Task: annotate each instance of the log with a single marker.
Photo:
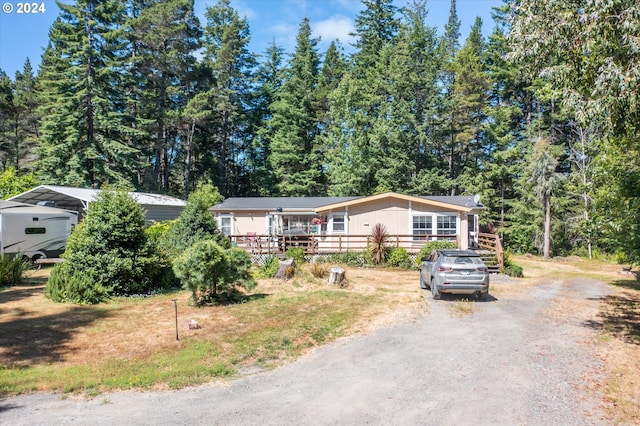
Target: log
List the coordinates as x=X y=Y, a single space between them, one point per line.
x=336 y=275
x=285 y=269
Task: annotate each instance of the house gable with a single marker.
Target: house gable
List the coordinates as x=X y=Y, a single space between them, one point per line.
x=432 y=203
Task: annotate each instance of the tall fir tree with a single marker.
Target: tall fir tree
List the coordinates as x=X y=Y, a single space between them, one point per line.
x=353 y=153
x=269 y=78
x=295 y=156
x=468 y=113
x=27 y=120
x=82 y=129
x=226 y=55
x=8 y=154
x=163 y=37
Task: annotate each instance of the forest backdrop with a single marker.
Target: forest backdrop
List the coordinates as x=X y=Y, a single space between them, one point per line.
x=540 y=118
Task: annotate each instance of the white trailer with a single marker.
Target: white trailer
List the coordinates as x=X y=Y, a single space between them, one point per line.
x=35 y=232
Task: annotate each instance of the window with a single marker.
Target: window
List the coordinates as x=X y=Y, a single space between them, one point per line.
x=226 y=225
x=34 y=231
x=338 y=223
x=422 y=227
x=446 y=225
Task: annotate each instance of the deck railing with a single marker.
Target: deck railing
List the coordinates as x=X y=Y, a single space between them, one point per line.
x=492 y=243
x=325 y=244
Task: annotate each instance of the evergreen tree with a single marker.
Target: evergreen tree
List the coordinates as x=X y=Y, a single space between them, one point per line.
x=82 y=130
x=269 y=78
x=226 y=55
x=590 y=57
x=294 y=151
x=27 y=119
x=8 y=155
x=356 y=140
x=467 y=115
x=162 y=36
x=544 y=179
x=376 y=25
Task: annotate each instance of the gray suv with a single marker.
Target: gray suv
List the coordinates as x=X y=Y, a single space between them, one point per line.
x=455 y=272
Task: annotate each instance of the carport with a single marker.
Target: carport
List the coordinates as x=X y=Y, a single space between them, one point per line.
x=157 y=207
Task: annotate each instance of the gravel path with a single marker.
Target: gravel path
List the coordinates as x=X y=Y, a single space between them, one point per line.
x=512 y=361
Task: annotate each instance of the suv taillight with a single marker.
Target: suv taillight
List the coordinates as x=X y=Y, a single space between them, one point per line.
x=443 y=269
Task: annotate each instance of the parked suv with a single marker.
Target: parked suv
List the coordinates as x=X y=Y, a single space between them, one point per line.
x=455 y=272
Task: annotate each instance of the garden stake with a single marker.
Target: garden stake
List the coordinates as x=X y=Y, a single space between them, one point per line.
x=175 y=305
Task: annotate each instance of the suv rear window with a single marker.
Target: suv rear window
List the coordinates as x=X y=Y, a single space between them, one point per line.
x=462 y=260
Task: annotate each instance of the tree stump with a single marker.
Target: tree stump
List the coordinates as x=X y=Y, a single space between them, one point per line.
x=336 y=275
x=285 y=269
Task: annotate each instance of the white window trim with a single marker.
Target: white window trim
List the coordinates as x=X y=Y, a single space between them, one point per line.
x=435 y=221
x=224 y=216
x=415 y=214
x=330 y=229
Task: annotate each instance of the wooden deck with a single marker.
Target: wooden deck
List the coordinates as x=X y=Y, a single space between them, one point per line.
x=329 y=244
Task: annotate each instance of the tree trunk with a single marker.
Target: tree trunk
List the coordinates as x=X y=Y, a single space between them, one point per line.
x=546 y=251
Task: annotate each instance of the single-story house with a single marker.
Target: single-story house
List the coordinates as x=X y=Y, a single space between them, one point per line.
x=346 y=222
x=157 y=207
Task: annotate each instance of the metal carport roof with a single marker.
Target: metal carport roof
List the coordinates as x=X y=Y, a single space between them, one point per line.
x=78 y=199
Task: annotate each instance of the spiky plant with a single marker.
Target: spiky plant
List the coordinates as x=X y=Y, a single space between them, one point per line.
x=378 y=243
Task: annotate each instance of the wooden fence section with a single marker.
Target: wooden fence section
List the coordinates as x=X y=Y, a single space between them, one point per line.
x=328 y=244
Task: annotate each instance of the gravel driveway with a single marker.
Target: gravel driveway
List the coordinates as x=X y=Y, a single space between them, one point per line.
x=515 y=360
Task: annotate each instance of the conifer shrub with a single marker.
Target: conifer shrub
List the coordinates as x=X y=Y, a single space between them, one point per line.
x=194 y=224
x=213 y=274
x=107 y=254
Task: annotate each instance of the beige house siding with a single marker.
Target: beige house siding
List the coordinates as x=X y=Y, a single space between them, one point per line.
x=247 y=222
x=395 y=211
x=391 y=213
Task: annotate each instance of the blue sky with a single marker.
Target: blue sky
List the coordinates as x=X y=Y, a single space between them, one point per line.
x=26 y=35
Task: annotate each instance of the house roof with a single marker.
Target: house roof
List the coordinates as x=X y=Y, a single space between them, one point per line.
x=69 y=197
x=319 y=204
x=274 y=203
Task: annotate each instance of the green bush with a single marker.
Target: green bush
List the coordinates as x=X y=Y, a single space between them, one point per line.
x=107 y=254
x=158 y=230
x=429 y=247
x=514 y=270
x=195 y=223
x=66 y=286
x=510 y=268
x=351 y=258
x=297 y=254
x=399 y=258
x=270 y=267
x=211 y=273
x=12 y=269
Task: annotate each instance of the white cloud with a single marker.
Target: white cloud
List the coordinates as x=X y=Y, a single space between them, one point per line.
x=337 y=27
x=244 y=10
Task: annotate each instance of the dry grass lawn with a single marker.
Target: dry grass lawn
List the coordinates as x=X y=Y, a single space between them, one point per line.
x=131 y=343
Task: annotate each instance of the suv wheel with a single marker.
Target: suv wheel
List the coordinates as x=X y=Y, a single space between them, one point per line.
x=435 y=294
